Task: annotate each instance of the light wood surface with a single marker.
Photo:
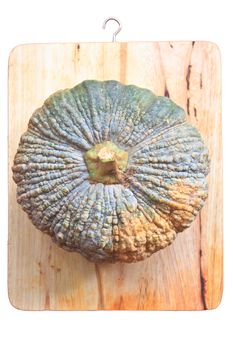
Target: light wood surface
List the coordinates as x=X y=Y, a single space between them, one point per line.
x=185 y=276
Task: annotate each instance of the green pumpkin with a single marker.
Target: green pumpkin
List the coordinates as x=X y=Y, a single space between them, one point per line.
x=111 y=171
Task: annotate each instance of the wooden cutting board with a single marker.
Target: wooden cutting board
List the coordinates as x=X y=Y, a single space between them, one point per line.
x=185 y=276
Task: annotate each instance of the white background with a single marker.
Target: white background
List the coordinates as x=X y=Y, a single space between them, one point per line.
x=25 y=21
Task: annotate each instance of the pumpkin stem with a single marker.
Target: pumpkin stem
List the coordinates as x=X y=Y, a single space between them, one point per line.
x=106 y=163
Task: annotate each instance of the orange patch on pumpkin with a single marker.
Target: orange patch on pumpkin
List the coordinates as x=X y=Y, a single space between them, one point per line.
x=187 y=199
x=136 y=237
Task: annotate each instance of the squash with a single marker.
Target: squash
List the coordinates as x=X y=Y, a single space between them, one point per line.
x=111 y=171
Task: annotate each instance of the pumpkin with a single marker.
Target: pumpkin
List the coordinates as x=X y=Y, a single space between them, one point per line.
x=111 y=171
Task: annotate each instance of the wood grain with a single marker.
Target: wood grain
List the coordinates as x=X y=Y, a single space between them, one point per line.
x=185 y=276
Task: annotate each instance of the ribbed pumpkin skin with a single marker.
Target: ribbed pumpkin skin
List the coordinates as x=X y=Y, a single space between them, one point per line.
x=162 y=189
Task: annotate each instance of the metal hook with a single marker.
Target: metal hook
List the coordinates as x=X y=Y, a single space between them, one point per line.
x=117 y=31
